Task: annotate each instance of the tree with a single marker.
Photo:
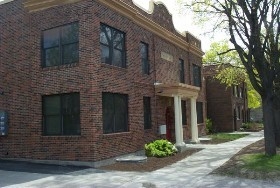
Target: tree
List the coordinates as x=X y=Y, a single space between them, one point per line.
x=254 y=28
x=233 y=72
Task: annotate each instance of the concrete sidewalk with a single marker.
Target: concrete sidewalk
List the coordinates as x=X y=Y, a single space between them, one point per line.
x=192 y=171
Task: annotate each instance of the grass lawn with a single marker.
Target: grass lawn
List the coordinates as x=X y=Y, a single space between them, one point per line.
x=261 y=162
x=226 y=137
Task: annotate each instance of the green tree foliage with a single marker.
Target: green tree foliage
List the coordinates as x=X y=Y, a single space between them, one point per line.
x=230 y=71
x=253 y=28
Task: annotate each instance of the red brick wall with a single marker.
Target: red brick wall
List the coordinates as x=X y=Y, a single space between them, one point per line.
x=221 y=102
x=25 y=82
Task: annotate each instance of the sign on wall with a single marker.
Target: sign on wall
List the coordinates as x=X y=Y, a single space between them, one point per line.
x=166 y=56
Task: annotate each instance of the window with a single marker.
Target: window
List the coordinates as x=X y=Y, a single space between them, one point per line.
x=112 y=43
x=196 y=75
x=147 y=112
x=115 y=112
x=235 y=91
x=238 y=112
x=199 y=110
x=61 y=45
x=240 y=92
x=181 y=71
x=61 y=114
x=144 y=50
x=184 y=112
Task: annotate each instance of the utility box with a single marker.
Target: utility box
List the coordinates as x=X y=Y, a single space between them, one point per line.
x=162 y=129
x=3 y=123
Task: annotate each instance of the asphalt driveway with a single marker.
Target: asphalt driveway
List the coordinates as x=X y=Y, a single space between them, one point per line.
x=17 y=172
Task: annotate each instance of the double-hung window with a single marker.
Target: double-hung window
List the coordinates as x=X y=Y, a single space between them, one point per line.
x=144 y=50
x=61 y=114
x=199 y=110
x=181 y=71
x=147 y=112
x=61 y=45
x=115 y=112
x=112 y=44
x=184 y=112
x=196 y=75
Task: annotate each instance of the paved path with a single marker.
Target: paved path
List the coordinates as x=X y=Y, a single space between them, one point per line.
x=190 y=172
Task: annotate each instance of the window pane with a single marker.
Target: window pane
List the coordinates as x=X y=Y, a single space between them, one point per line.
x=199 y=109
x=120 y=112
x=120 y=103
x=51 y=38
x=71 y=124
x=51 y=105
x=71 y=114
x=71 y=53
x=117 y=58
x=52 y=57
x=147 y=112
x=108 y=112
x=70 y=33
x=184 y=112
x=61 y=45
x=118 y=40
x=108 y=122
x=52 y=125
x=181 y=71
x=71 y=104
x=112 y=46
x=103 y=38
x=144 y=57
x=120 y=122
x=105 y=58
x=197 y=75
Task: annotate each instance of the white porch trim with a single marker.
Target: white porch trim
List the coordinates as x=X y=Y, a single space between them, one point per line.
x=194 y=128
x=179 y=91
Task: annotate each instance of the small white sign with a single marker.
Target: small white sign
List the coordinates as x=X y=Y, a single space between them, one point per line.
x=166 y=56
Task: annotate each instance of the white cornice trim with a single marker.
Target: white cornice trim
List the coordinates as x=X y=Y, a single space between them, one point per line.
x=121 y=7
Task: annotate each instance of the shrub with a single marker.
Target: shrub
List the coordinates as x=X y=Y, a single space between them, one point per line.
x=160 y=148
x=209 y=126
x=252 y=126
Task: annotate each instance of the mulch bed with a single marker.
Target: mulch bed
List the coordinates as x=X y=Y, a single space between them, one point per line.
x=234 y=166
x=151 y=164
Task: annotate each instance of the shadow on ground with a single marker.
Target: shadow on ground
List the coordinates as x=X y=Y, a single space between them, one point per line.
x=20 y=166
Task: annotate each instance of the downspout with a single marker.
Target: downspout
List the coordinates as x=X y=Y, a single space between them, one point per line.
x=155 y=80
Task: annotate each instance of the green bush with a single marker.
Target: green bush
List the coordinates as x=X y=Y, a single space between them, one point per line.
x=160 y=148
x=209 y=126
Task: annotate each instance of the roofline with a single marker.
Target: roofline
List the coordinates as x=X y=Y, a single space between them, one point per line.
x=128 y=11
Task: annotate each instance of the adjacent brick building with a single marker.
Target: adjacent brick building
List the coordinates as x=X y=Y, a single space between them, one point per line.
x=227 y=106
x=88 y=80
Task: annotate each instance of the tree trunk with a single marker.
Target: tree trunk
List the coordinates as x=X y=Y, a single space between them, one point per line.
x=269 y=125
x=277 y=126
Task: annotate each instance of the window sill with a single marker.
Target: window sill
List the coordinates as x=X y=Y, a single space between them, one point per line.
x=113 y=67
x=148 y=129
x=115 y=134
x=58 y=67
x=61 y=137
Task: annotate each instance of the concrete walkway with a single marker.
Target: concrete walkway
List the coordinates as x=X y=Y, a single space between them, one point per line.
x=191 y=172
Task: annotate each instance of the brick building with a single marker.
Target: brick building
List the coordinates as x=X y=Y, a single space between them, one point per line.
x=89 y=80
x=227 y=106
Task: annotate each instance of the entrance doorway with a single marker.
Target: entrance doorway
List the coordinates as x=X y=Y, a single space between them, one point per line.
x=234 y=119
x=170 y=125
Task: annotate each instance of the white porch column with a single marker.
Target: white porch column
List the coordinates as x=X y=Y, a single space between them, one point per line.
x=178 y=121
x=194 y=121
